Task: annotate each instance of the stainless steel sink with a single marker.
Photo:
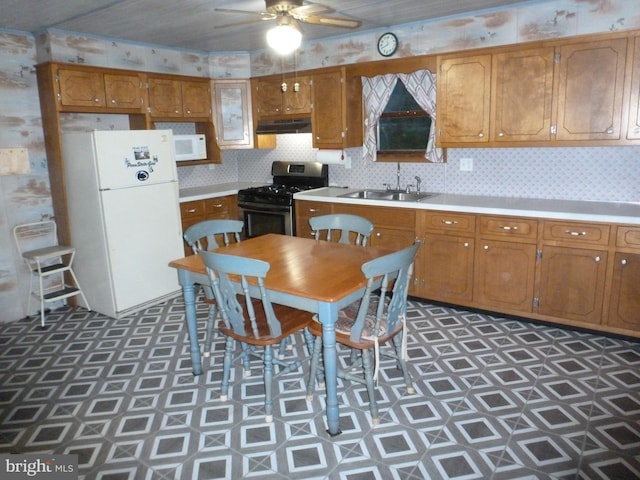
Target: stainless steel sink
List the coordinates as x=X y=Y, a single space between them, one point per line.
x=392 y=195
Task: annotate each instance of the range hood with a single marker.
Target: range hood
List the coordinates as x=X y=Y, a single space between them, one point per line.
x=298 y=125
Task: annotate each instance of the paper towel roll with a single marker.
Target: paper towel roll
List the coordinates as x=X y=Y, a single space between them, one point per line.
x=333 y=157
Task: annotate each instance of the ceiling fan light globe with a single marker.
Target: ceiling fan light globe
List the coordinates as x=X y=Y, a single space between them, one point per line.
x=284 y=39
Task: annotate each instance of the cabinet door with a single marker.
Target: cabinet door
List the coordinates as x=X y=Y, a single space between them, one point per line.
x=327 y=113
x=446 y=269
x=633 y=131
x=124 y=91
x=196 y=98
x=590 y=80
x=522 y=89
x=464 y=95
x=304 y=211
x=165 y=98
x=504 y=276
x=572 y=283
x=297 y=96
x=79 y=88
x=234 y=122
x=267 y=95
x=624 y=308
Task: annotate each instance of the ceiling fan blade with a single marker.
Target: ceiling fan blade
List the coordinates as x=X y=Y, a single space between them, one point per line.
x=331 y=21
x=310 y=9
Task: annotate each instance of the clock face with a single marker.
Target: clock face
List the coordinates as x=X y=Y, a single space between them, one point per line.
x=387 y=44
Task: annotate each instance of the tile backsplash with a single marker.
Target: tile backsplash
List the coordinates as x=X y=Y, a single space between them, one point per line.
x=610 y=174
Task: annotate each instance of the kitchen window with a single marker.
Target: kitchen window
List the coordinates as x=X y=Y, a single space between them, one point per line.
x=403 y=125
x=398 y=109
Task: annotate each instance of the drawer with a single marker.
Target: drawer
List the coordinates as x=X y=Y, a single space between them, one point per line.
x=216 y=207
x=574 y=232
x=449 y=222
x=404 y=218
x=511 y=227
x=193 y=209
x=628 y=236
x=312 y=209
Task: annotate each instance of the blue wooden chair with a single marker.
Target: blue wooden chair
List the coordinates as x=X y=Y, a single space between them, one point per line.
x=372 y=322
x=325 y=227
x=205 y=236
x=249 y=317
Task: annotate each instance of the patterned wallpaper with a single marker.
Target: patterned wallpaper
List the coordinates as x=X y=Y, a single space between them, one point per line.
x=602 y=173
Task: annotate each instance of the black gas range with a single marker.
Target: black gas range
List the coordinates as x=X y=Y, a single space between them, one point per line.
x=270 y=208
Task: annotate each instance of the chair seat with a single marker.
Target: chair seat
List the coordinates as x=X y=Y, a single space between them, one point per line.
x=291 y=321
x=345 y=322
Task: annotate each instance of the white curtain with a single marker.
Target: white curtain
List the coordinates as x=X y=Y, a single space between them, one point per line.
x=376 y=92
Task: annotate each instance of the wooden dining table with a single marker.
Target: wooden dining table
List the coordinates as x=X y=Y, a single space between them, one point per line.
x=313 y=275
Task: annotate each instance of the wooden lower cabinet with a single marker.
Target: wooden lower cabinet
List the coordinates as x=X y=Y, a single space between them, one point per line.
x=504 y=275
x=196 y=211
x=581 y=274
x=624 y=303
x=304 y=211
x=445 y=266
x=505 y=263
x=445 y=269
x=572 y=283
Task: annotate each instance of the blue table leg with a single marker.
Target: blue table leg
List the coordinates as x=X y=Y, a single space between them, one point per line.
x=188 y=293
x=328 y=313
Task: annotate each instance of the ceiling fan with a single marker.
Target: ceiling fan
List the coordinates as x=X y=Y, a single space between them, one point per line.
x=287 y=12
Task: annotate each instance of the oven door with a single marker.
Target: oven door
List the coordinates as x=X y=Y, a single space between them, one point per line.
x=260 y=219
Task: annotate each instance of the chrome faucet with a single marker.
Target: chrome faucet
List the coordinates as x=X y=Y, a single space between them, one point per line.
x=418 y=182
x=398 y=180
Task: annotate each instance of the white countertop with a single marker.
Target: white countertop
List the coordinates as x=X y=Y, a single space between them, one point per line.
x=212 y=191
x=609 y=212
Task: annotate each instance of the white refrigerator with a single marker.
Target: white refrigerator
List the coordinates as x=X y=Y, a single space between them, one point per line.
x=124 y=216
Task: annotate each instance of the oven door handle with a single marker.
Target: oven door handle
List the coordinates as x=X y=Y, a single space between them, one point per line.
x=263 y=207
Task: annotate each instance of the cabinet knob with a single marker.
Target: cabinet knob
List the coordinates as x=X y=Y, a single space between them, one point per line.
x=188 y=111
x=481 y=134
x=501 y=134
x=466 y=245
x=623 y=262
x=96 y=99
x=449 y=222
x=113 y=100
x=610 y=131
x=575 y=234
x=508 y=228
x=378 y=234
x=597 y=259
x=486 y=247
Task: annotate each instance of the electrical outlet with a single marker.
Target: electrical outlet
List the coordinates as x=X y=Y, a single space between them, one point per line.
x=212 y=166
x=466 y=164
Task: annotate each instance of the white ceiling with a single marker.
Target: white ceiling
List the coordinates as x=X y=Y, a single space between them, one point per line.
x=193 y=24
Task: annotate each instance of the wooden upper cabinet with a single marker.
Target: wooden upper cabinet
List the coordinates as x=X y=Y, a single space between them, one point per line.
x=590 y=90
x=522 y=85
x=196 y=98
x=81 y=88
x=165 y=97
x=297 y=95
x=233 y=118
x=179 y=98
x=124 y=90
x=463 y=99
x=328 y=99
x=282 y=96
x=267 y=96
x=633 y=132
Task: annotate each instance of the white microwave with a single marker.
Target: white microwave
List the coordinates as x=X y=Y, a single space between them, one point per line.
x=190 y=147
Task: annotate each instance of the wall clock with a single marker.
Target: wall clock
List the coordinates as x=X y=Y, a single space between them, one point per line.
x=387 y=44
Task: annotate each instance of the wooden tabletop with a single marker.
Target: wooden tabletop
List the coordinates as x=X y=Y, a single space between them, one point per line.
x=313 y=269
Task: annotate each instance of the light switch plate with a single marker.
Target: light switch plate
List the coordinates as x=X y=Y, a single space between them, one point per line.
x=466 y=164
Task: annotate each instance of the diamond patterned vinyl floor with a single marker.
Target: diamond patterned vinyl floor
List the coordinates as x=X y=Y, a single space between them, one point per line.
x=495 y=399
